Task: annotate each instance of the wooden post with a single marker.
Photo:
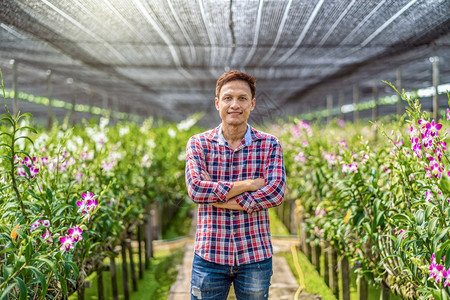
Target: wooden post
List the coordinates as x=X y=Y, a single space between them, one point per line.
x=316 y=250
x=307 y=249
x=399 y=88
x=139 y=237
x=112 y=270
x=340 y=104
x=362 y=288
x=385 y=292
x=329 y=108
x=132 y=269
x=435 y=62
x=80 y=290
x=49 y=96
x=334 y=272
x=15 y=87
x=156 y=224
x=326 y=262
x=294 y=222
x=126 y=288
x=148 y=241
x=100 y=288
x=355 y=104
x=345 y=272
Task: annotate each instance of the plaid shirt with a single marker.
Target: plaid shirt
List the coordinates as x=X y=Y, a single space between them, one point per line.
x=234 y=237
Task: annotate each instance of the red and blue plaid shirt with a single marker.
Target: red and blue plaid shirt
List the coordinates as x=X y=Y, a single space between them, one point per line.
x=234 y=237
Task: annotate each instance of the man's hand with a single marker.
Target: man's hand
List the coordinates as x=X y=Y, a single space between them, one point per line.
x=239 y=187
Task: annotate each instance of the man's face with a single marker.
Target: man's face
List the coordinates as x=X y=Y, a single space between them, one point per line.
x=235 y=102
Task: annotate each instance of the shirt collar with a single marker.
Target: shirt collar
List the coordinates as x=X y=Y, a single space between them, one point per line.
x=247 y=137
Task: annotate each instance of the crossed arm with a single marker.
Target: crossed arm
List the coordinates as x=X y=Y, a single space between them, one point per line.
x=249 y=195
x=239 y=187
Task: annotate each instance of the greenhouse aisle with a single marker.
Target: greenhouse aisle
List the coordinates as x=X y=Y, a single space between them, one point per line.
x=283 y=287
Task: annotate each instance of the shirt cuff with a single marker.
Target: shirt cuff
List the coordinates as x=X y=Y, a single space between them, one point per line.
x=222 y=190
x=246 y=202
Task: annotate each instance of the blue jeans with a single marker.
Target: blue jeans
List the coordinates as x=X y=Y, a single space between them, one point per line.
x=213 y=281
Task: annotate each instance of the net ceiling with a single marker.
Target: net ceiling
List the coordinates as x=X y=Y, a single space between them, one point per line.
x=162 y=58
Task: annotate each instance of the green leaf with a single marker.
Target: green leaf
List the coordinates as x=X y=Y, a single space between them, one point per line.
x=49 y=194
x=27 y=114
x=7 y=250
x=41 y=279
x=402 y=218
x=440 y=234
x=74 y=267
x=22 y=288
x=419 y=215
x=5 y=145
x=428 y=211
x=447 y=261
x=6 y=133
x=24 y=137
x=28 y=128
x=400 y=239
x=8 y=120
x=432 y=226
x=5 y=293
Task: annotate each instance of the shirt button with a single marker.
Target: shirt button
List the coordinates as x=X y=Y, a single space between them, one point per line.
x=234 y=216
x=234 y=232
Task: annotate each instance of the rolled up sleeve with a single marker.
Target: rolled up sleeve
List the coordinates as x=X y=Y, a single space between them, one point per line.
x=272 y=194
x=202 y=191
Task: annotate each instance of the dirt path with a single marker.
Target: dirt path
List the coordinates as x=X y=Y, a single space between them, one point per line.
x=284 y=285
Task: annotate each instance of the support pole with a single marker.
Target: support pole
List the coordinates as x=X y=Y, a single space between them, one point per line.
x=148 y=241
x=385 y=292
x=345 y=271
x=294 y=220
x=355 y=104
x=340 y=104
x=326 y=262
x=49 y=96
x=334 y=273
x=100 y=287
x=139 y=238
x=112 y=270
x=126 y=288
x=316 y=249
x=15 y=87
x=132 y=269
x=435 y=61
x=399 y=88
x=329 y=108
x=362 y=288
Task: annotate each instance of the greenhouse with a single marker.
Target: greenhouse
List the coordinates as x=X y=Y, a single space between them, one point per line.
x=115 y=171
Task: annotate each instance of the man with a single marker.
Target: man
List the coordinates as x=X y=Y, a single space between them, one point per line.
x=235 y=173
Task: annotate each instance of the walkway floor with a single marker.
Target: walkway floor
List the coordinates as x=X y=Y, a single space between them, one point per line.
x=284 y=285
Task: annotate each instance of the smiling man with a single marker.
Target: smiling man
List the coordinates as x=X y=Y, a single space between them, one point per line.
x=235 y=174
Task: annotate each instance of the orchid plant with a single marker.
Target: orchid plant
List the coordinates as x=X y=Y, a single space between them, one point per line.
x=383 y=202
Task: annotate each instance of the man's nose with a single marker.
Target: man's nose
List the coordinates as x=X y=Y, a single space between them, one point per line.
x=235 y=103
